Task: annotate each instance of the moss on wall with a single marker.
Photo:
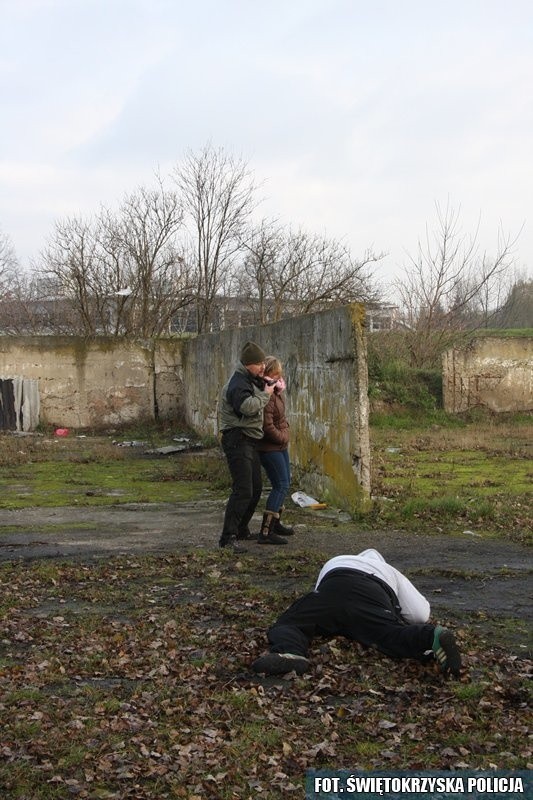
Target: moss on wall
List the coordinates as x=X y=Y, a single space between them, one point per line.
x=324 y=358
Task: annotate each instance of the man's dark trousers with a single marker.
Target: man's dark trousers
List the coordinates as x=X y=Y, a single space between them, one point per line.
x=357 y=606
x=245 y=469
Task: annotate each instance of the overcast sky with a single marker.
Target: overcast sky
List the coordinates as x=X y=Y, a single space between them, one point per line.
x=356 y=116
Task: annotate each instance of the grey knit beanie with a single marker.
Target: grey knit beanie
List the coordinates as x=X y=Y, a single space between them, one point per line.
x=251 y=353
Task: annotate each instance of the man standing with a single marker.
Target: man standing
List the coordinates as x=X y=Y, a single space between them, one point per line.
x=364 y=599
x=242 y=401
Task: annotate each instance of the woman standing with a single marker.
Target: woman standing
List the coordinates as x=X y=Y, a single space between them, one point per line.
x=274 y=454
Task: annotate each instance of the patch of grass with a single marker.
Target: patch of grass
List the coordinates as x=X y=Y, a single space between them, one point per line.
x=25 y=693
x=441 y=506
x=469 y=691
x=508 y=333
x=403 y=418
x=92 y=483
x=209 y=468
x=451 y=473
x=367 y=749
x=474 y=475
x=46 y=471
x=255 y=734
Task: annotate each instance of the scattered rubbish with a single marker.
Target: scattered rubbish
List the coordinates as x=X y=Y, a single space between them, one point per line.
x=393 y=449
x=305 y=501
x=169 y=449
x=61 y=431
x=472 y=533
x=184 y=445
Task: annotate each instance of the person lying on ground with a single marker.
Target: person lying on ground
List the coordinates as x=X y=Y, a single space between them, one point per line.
x=364 y=599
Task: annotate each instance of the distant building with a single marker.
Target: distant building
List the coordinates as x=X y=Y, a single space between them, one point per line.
x=58 y=315
x=382 y=317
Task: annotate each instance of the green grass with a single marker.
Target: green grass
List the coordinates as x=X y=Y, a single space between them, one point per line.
x=95 y=482
x=470 y=691
x=432 y=471
x=471 y=474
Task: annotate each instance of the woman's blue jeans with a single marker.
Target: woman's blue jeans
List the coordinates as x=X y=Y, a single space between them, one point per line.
x=278 y=469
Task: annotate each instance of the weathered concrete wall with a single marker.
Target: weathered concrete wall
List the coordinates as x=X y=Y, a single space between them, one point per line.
x=84 y=384
x=324 y=356
x=94 y=384
x=493 y=372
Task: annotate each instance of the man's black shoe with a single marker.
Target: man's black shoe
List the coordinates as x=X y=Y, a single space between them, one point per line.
x=232 y=544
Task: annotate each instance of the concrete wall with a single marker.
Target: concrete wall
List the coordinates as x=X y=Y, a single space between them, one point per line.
x=84 y=384
x=324 y=356
x=96 y=384
x=493 y=372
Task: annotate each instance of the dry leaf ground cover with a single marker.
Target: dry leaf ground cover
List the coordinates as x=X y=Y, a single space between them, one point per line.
x=128 y=676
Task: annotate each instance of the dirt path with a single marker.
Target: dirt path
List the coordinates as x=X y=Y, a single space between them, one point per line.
x=463 y=576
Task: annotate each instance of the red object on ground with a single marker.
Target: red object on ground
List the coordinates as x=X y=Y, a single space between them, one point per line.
x=61 y=431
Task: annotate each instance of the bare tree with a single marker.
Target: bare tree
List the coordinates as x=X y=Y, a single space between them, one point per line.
x=8 y=263
x=328 y=275
x=264 y=246
x=488 y=299
x=10 y=280
x=217 y=192
x=146 y=272
x=296 y=271
x=120 y=274
x=68 y=272
x=443 y=284
x=21 y=312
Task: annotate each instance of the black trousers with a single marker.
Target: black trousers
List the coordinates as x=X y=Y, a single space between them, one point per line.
x=245 y=469
x=354 y=605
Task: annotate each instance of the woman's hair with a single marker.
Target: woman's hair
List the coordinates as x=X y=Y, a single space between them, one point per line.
x=272 y=365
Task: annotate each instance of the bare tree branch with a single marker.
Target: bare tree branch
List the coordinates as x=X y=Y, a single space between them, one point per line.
x=301 y=272
x=445 y=281
x=123 y=274
x=217 y=193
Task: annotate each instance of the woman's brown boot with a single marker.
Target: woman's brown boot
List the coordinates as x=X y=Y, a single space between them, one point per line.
x=280 y=528
x=266 y=534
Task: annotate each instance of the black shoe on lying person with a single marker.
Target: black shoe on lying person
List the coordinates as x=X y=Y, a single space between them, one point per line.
x=281 y=663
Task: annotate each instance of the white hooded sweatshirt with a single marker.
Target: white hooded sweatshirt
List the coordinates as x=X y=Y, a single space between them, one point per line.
x=415 y=608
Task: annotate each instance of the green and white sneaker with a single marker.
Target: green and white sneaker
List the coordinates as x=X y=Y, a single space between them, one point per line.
x=446 y=651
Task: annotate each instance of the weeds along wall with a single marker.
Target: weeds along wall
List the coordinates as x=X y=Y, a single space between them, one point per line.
x=325 y=365
x=96 y=383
